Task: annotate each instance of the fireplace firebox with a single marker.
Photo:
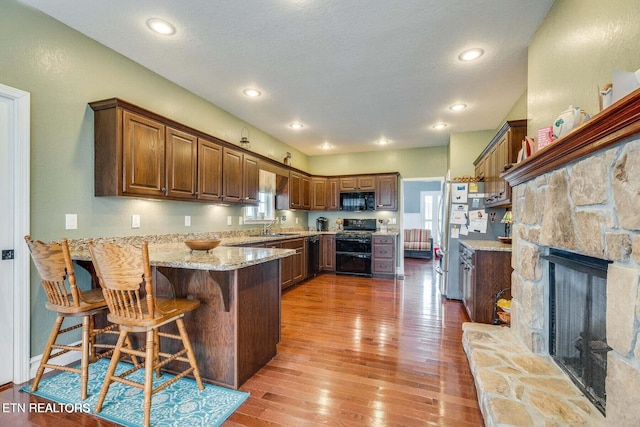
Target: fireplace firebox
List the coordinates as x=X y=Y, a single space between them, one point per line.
x=577 y=335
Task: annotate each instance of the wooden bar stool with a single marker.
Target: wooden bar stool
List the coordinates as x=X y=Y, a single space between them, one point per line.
x=53 y=262
x=124 y=273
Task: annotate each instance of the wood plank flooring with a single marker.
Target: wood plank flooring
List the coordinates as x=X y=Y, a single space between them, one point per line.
x=354 y=352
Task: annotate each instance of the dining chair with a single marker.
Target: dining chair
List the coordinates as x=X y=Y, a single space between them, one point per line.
x=124 y=273
x=55 y=267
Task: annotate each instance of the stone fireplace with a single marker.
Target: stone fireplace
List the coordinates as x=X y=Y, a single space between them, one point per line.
x=582 y=195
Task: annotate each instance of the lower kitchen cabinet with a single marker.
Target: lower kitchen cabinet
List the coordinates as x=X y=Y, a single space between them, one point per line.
x=483 y=273
x=294 y=267
x=384 y=256
x=328 y=252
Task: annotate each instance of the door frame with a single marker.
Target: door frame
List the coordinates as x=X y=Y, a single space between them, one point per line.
x=21 y=143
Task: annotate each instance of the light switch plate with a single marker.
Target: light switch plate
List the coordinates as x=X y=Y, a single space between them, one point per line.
x=71 y=222
x=240 y=220
x=135 y=221
x=229 y=220
x=187 y=221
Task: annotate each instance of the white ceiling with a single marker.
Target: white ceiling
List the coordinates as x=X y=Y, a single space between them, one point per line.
x=352 y=71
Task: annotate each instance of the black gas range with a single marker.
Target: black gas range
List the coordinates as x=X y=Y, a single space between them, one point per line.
x=354 y=247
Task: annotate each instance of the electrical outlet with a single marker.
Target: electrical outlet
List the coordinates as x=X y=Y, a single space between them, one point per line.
x=71 y=222
x=240 y=220
x=187 y=221
x=296 y=220
x=229 y=220
x=283 y=218
x=135 y=221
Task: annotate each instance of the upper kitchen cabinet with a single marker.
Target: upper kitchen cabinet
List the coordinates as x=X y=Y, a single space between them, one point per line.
x=499 y=155
x=318 y=193
x=139 y=153
x=240 y=177
x=387 y=192
x=129 y=153
x=181 y=164
x=209 y=170
x=333 y=194
x=358 y=183
x=299 y=190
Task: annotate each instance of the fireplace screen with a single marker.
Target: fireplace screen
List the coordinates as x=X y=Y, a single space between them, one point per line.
x=577 y=333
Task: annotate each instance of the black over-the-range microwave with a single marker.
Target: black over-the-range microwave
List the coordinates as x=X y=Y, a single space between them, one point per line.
x=358 y=201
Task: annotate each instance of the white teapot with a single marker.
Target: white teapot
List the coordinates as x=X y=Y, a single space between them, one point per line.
x=569 y=119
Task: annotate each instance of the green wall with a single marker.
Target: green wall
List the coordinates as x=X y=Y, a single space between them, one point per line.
x=411 y=163
x=576 y=49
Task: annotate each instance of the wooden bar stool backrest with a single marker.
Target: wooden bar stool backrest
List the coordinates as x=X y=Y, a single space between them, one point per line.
x=124 y=274
x=54 y=264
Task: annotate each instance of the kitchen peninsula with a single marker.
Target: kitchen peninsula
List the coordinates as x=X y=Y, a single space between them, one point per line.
x=235 y=330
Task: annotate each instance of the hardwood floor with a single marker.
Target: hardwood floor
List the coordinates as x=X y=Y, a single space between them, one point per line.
x=354 y=352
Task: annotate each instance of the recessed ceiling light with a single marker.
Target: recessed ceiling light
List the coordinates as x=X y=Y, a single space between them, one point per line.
x=161 y=26
x=383 y=141
x=458 y=107
x=252 y=92
x=296 y=125
x=471 y=54
x=439 y=126
x=326 y=146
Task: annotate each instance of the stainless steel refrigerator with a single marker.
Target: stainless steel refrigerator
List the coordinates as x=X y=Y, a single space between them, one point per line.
x=448 y=268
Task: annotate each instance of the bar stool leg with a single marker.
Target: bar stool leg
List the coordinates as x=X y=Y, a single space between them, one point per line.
x=47 y=351
x=84 y=359
x=148 y=375
x=110 y=372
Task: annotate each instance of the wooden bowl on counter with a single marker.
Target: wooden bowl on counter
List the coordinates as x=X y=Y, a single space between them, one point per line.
x=202 y=244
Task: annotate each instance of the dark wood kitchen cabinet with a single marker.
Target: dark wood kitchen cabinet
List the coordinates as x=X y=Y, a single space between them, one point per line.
x=387 y=192
x=299 y=190
x=501 y=151
x=333 y=194
x=143 y=159
x=182 y=164
x=240 y=178
x=384 y=256
x=483 y=273
x=294 y=267
x=328 y=252
x=209 y=170
x=318 y=194
x=358 y=183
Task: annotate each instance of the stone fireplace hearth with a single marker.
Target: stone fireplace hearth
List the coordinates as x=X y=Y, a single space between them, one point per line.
x=582 y=194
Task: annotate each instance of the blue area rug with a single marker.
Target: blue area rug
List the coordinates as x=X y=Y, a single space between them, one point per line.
x=181 y=404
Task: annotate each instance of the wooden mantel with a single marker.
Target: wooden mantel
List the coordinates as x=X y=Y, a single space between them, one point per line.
x=614 y=124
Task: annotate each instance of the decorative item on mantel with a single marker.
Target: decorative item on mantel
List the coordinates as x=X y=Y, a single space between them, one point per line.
x=244 y=140
x=507 y=219
x=527 y=150
x=568 y=120
x=545 y=137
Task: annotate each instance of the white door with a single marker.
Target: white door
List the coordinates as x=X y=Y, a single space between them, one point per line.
x=15 y=190
x=7 y=174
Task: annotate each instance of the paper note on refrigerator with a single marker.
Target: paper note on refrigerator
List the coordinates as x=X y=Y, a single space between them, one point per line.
x=478 y=221
x=459 y=213
x=459 y=192
x=455 y=232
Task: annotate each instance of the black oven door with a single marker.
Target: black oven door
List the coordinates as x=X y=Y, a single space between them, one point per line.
x=358 y=264
x=353 y=245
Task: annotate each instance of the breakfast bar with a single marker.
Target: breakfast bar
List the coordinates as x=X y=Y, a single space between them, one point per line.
x=235 y=330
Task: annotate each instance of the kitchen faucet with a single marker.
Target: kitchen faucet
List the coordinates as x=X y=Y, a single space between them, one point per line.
x=266 y=228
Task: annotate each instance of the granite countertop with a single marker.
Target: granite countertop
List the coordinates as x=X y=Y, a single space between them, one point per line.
x=222 y=258
x=486 y=245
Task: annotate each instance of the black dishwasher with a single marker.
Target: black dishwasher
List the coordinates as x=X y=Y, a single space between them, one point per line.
x=313 y=249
